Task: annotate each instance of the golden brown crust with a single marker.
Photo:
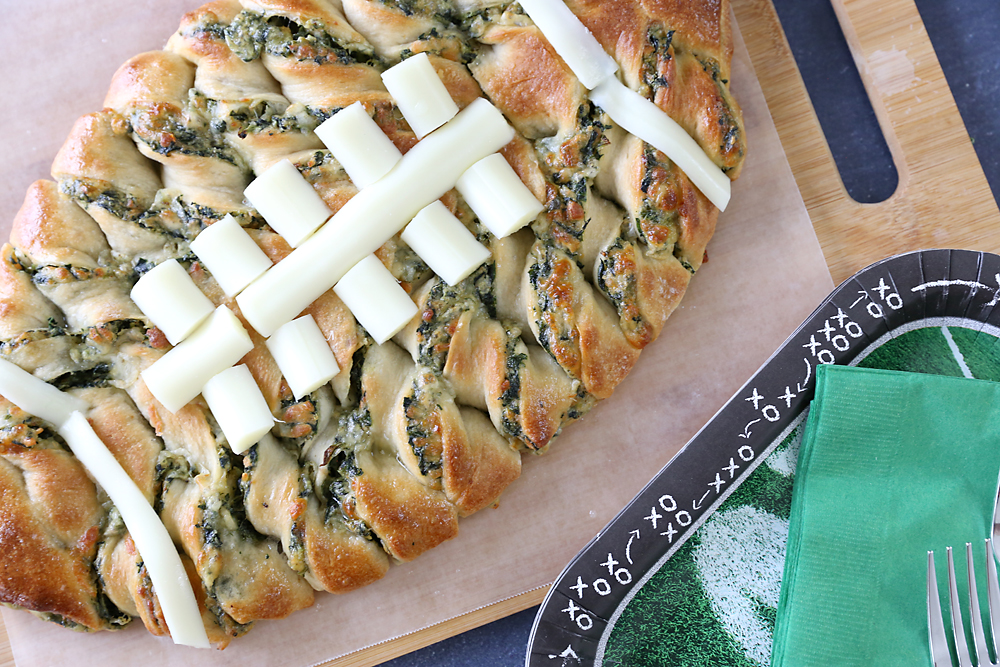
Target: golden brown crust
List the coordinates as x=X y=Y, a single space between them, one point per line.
x=150 y=79
x=50 y=229
x=35 y=573
x=339 y=560
x=524 y=78
x=126 y=434
x=49 y=525
x=409 y=517
x=22 y=308
x=387 y=28
x=220 y=73
x=477 y=463
x=99 y=149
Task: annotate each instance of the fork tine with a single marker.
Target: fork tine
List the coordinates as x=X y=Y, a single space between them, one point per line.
x=957 y=627
x=993 y=593
x=935 y=624
x=982 y=655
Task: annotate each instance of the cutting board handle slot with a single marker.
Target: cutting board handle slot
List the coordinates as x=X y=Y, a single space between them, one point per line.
x=942 y=199
x=856 y=138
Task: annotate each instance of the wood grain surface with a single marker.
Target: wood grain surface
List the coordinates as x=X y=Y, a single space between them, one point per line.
x=942 y=200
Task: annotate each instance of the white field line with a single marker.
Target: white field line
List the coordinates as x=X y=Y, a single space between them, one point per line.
x=956 y=352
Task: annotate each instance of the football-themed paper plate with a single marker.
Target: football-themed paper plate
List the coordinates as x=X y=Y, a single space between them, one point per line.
x=689 y=573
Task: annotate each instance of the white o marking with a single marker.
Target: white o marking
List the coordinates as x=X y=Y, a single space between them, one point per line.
x=874 y=309
x=623 y=576
x=829 y=359
x=771 y=413
x=584 y=622
x=850 y=331
x=748 y=456
x=843 y=344
x=673 y=503
x=683 y=518
x=602 y=587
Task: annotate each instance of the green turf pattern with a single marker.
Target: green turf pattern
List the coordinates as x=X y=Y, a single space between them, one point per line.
x=671 y=620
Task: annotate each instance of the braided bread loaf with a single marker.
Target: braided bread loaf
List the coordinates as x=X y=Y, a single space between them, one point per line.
x=379 y=464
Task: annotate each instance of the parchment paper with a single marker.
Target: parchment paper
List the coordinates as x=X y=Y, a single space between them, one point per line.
x=765 y=274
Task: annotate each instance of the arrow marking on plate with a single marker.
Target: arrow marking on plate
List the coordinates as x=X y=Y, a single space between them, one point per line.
x=634 y=535
x=566 y=655
x=746 y=430
x=800 y=385
x=696 y=504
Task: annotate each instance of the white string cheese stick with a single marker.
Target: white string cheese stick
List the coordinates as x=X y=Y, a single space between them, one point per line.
x=239 y=406
x=36 y=396
x=377 y=301
x=167 y=295
x=591 y=64
x=637 y=115
x=359 y=144
x=159 y=555
x=179 y=375
x=303 y=355
x=496 y=194
x=170 y=582
x=444 y=243
x=230 y=255
x=425 y=173
x=290 y=205
x=420 y=94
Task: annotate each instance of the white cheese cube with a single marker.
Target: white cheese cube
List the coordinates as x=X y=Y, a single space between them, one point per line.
x=290 y=205
x=578 y=48
x=637 y=115
x=230 y=255
x=442 y=241
x=155 y=546
x=170 y=299
x=239 y=407
x=36 y=396
x=493 y=190
x=359 y=144
x=180 y=374
x=420 y=94
x=365 y=222
x=303 y=355
x=377 y=301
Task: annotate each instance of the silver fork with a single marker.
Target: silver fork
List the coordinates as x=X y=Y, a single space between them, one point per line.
x=938 y=640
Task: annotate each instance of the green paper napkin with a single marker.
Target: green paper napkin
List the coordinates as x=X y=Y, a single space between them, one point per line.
x=891 y=465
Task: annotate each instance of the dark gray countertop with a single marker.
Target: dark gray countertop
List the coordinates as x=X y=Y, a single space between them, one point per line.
x=963 y=33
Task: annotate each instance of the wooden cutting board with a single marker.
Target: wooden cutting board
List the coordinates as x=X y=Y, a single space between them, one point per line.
x=943 y=199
